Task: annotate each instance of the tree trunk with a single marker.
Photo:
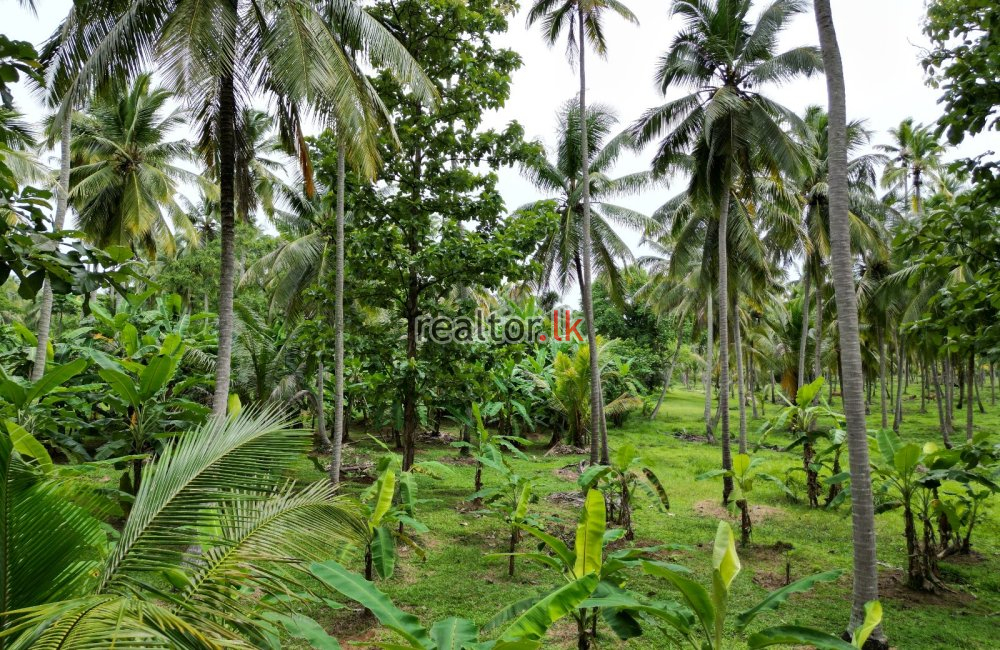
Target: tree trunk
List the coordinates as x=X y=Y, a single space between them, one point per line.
x=949 y=393
x=320 y=406
x=970 y=381
x=993 y=392
x=227 y=227
x=923 y=385
x=409 y=437
x=752 y=385
x=723 y=300
x=897 y=413
x=669 y=374
x=865 y=587
x=62 y=204
x=338 y=321
x=709 y=365
x=945 y=432
x=804 y=336
x=740 y=377
x=598 y=430
x=818 y=350
x=883 y=392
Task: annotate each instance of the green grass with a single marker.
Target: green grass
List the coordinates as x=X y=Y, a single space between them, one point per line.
x=457 y=578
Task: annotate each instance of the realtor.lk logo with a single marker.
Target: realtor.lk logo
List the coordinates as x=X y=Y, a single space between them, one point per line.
x=496 y=329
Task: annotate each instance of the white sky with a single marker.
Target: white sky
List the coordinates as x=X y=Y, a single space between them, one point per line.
x=881 y=42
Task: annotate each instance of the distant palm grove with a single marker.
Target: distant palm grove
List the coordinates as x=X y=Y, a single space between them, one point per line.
x=223 y=423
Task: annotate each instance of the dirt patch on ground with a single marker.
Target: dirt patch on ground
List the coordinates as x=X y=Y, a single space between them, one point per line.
x=892 y=586
x=570 y=472
x=566 y=450
x=571 y=499
x=458 y=460
x=716 y=510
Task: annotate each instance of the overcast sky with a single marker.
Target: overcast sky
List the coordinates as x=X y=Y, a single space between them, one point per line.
x=881 y=41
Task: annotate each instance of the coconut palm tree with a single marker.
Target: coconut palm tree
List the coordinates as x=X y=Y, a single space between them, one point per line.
x=558 y=16
x=587 y=237
x=726 y=131
x=123 y=179
x=914 y=157
x=867 y=214
x=217 y=55
x=842 y=261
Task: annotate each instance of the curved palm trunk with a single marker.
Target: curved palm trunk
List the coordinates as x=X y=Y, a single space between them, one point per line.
x=669 y=374
x=727 y=460
x=740 y=378
x=598 y=430
x=227 y=227
x=62 y=204
x=338 y=324
x=865 y=587
x=709 y=354
x=804 y=336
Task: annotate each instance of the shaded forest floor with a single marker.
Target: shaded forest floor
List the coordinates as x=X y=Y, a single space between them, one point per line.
x=458 y=579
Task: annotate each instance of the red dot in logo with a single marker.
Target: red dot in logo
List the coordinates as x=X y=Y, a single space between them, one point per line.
x=542 y=338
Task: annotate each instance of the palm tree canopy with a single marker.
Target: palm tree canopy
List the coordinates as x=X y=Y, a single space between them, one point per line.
x=559 y=255
x=558 y=16
x=123 y=176
x=725 y=128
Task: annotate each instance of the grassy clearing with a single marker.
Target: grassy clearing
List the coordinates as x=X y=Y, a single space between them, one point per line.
x=458 y=579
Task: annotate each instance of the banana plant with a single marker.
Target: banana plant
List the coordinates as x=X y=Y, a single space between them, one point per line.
x=619 y=482
x=510 y=500
x=909 y=478
x=800 y=419
x=744 y=474
x=524 y=631
x=22 y=400
x=590 y=558
x=701 y=617
x=961 y=508
x=386 y=515
x=488 y=445
x=150 y=404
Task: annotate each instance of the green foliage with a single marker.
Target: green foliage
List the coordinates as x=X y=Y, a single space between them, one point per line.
x=619 y=482
x=702 y=615
x=744 y=474
x=214 y=517
x=524 y=633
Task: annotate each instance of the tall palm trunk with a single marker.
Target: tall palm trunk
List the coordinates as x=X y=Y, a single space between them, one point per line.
x=227 y=227
x=804 y=336
x=740 y=377
x=883 y=391
x=62 y=204
x=818 y=351
x=723 y=289
x=669 y=374
x=865 y=587
x=598 y=433
x=897 y=414
x=709 y=365
x=338 y=323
